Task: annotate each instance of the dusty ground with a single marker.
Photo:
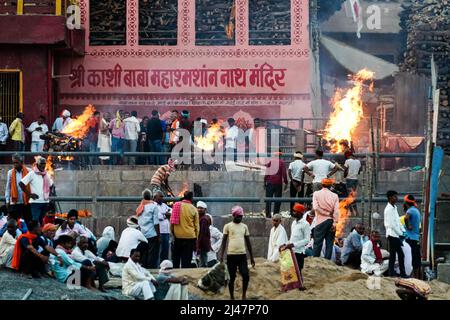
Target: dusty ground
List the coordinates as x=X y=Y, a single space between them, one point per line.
x=324 y=280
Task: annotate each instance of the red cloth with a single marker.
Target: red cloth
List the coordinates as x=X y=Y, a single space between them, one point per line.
x=176 y=212
x=280 y=176
x=376 y=250
x=204 y=236
x=15 y=264
x=141 y=206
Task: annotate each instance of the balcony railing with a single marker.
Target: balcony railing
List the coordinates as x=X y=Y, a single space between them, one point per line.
x=32 y=7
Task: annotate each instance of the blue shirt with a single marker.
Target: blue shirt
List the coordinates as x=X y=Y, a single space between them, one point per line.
x=163 y=286
x=23 y=228
x=8 y=187
x=414 y=221
x=148 y=220
x=3 y=132
x=62 y=272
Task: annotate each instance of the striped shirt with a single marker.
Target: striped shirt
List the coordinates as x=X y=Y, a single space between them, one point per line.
x=160 y=175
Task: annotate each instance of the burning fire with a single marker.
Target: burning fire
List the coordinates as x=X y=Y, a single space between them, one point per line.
x=344 y=213
x=79 y=127
x=185 y=188
x=49 y=167
x=65 y=158
x=348 y=110
x=213 y=135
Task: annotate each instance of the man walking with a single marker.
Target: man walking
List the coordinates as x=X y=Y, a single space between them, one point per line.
x=16 y=200
x=37 y=129
x=17 y=132
x=149 y=223
x=394 y=234
x=132 y=129
x=412 y=222
x=184 y=225
x=204 y=237
x=273 y=182
x=326 y=208
x=155 y=136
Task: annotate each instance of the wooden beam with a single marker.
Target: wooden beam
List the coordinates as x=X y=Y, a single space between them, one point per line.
x=58 y=8
x=19 y=7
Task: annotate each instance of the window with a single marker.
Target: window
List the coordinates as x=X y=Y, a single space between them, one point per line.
x=158 y=22
x=269 y=22
x=215 y=22
x=107 y=23
x=10 y=95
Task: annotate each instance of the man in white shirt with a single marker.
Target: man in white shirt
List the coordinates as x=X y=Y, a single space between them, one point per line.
x=278 y=237
x=132 y=128
x=37 y=129
x=82 y=255
x=62 y=121
x=131 y=238
x=394 y=234
x=4 y=133
x=352 y=169
x=164 y=225
x=371 y=258
x=136 y=281
x=296 y=174
x=231 y=137
x=320 y=169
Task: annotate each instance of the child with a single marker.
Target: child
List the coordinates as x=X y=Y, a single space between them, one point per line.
x=239 y=237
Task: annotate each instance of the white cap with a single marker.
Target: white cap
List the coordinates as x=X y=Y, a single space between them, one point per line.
x=66 y=113
x=204 y=121
x=201 y=204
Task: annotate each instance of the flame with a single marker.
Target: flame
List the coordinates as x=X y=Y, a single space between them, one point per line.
x=348 y=110
x=65 y=158
x=82 y=213
x=185 y=188
x=344 y=213
x=49 y=167
x=79 y=126
x=213 y=135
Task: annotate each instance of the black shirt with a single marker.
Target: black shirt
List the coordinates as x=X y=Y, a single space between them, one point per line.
x=154 y=129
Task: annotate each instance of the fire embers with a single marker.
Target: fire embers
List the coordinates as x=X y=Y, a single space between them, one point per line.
x=344 y=213
x=348 y=110
x=79 y=127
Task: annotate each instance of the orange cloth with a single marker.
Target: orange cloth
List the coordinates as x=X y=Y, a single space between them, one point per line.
x=81 y=214
x=410 y=201
x=48 y=227
x=14 y=191
x=299 y=207
x=141 y=206
x=173 y=127
x=327 y=182
x=18 y=249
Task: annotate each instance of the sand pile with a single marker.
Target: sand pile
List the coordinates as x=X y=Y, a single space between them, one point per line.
x=324 y=280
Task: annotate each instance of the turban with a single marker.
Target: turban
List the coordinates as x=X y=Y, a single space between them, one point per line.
x=41 y=160
x=48 y=227
x=327 y=182
x=237 y=211
x=185 y=114
x=298 y=155
x=299 y=207
x=410 y=201
x=66 y=113
x=132 y=222
x=166 y=266
x=201 y=204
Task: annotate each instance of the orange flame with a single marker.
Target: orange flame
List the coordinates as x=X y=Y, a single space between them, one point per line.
x=344 y=213
x=82 y=213
x=185 y=188
x=213 y=135
x=79 y=126
x=65 y=158
x=49 y=167
x=348 y=110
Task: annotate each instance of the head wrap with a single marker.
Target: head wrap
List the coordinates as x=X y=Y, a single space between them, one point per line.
x=41 y=160
x=407 y=200
x=204 y=121
x=298 y=155
x=327 y=182
x=132 y=222
x=48 y=227
x=237 y=211
x=172 y=164
x=185 y=114
x=166 y=266
x=201 y=204
x=66 y=113
x=299 y=208
x=277 y=216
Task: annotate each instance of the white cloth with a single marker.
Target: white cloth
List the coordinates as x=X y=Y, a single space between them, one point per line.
x=216 y=243
x=36 y=185
x=77 y=228
x=368 y=264
x=132 y=128
x=104 y=141
x=353 y=165
x=406 y=248
x=6 y=247
x=278 y=237
x=296 y=168
x=231 y=137
x=79 y=256
x=320 y=168
x=300 y=235
x=392 y=222
x=136 y=281
x=129 y=240
x=103 y=242
x=36 y=135
x=60 y=123
x=4 y=132
x=177 y=292
x=164 y=223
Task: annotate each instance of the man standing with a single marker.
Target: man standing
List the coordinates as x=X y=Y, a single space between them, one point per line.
x=164 y=225
x=117 y=129
x=104 y=137
x=37 y=129
x=300 y=236
x=352 y=169
x=39 y=191
x=326 y=208
x=132 y=128
x=204 y=237
x=184 y=225
x=273 y=182
x=155 y=136
x=352 y=250
x=278 y=237
x=17 y=132
x=394 y=233
x=174 y=123
x=239 y=239
x=231 y=138
x=412 y=222
x=16 y=200
x=296 y=175
x=149 y=223
x=320 y=169
x=92 y=136
x=62 y=121
x=4 y=133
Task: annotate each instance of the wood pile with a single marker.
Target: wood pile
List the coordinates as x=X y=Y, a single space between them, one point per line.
x=107 y=23
x=158 y=22
x=427 y=27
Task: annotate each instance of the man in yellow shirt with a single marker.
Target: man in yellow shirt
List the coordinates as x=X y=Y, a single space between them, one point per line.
x=184 y=225
x=239 y=239
x=17 y=132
